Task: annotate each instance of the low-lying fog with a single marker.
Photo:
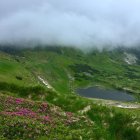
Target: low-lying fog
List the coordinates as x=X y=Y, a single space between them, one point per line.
x=80 y=23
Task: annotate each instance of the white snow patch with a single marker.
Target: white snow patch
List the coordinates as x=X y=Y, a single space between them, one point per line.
x=130 y=58
x=45 y=82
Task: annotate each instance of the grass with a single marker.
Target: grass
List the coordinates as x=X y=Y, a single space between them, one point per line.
x=10 y=69
x=65 y=69
x=104 y=69
x=25 y=119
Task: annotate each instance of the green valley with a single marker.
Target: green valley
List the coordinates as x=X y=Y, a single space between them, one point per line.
x=30 y=77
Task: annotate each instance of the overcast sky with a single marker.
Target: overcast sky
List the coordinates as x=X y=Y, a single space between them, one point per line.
x=80 y=23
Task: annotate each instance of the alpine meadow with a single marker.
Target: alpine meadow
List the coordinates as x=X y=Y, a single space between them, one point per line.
x=69 y=70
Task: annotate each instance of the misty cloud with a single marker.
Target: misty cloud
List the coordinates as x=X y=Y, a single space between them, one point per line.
x=80 y=23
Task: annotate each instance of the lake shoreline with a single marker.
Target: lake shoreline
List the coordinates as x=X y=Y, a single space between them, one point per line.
x=100 y=92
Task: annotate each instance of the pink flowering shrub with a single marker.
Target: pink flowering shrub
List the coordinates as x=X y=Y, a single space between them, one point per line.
x=10 y=100
x=22 y=112
x=19 y=100
x=47 y=118
x=43 y=108
x=28 y=113
x=23 y=108
x=26 y=119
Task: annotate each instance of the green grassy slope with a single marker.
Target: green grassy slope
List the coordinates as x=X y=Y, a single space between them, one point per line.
x=65 y=69
x=12 y=71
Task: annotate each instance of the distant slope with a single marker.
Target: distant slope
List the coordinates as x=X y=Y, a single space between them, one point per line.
x=68 y=68
x=14 y=71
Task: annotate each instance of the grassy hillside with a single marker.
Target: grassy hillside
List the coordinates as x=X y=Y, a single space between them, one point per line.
x=12 y=71
x=26 y=119
x=66 y=69
x=29 y=109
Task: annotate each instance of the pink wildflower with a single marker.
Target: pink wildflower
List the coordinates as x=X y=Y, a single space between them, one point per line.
x=19 y=100
x=22 y=112
x=43 y=107
x=10 y=100
x=47 y=118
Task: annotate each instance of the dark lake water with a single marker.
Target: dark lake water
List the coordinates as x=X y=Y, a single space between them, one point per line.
x=95 y=92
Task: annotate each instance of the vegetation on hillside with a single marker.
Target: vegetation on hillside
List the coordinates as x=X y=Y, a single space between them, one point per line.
x=31 y=110
x=26 y=119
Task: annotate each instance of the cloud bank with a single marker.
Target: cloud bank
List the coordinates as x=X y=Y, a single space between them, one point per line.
x=80 y=23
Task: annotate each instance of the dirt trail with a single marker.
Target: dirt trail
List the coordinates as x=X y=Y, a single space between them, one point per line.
x=118 y=104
